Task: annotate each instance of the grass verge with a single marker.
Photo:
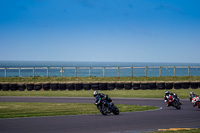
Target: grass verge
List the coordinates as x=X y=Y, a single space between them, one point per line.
x=24 y=109
x=179 y=131
x=182 y=93
x=97 y=79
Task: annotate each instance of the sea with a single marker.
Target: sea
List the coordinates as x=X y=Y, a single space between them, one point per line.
x=96 y=69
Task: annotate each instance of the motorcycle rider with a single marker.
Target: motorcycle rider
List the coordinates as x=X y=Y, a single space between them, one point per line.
x=103 y=96
x=192 y=95
x=167 y=95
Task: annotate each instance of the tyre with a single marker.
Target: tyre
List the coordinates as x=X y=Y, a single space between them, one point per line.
x=38 y=86
x=54 y=86
x=152 y=86
x=185 y=85
x=78 y=86
x=70 y=86
x=161 y=85
x=86 y=86
x=111 y=86
x=62 y=86
x=95 y=86
x=194 y=85
x=5 y=87
x=177 y=85
x=198 y=104
x=46 y=86
x=30 y=86
x=13 y=87
x=102 y=109
x=144 y=86
x=21 y=87
x=103 y=86
x=169 y=85
x=176 y=105
x=136 y=86
x=119 y=86
x=128 y=86
x=115 y=110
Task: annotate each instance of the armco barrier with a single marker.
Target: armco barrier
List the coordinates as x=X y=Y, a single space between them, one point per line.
x=152 y=85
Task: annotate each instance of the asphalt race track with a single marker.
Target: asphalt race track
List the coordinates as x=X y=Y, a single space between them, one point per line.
x=165 y=117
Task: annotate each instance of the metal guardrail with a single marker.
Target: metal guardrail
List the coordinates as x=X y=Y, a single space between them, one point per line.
x=101 y=68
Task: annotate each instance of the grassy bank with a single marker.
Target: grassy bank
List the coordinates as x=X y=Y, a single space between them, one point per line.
x=182 y=93
x=13 y=109
x=179 y=131
x=97 y=79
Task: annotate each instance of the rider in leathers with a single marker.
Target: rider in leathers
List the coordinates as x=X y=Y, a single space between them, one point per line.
x=103 y=96
x=192 y=95
x=167 y=95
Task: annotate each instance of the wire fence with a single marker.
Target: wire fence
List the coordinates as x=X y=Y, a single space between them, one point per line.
x=153 y=71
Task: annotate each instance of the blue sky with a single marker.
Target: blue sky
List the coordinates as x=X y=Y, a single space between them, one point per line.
x=100 y=30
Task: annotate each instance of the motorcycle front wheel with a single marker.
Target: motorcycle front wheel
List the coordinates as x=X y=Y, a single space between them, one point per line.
x=115 y=110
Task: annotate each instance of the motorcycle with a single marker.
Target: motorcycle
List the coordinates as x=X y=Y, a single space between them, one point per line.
x=174 y=101
x=105 y=107
x=196 y=101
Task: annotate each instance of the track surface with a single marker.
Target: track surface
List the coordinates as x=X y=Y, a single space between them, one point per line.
x=167 y=117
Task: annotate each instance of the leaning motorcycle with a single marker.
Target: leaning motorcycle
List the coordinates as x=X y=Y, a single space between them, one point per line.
x=196 y=101
x=105 y=107
x=174 y=102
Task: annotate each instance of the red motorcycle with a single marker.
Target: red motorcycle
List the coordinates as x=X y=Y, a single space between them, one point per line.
x=196 y=101
x=173 y=100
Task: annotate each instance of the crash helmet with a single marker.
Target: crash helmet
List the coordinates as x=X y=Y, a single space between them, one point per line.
x=191 y=93
x=95 y=93
x=167 y=92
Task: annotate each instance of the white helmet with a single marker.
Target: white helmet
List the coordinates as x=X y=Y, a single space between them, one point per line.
x=191 y=93
x=95 y=93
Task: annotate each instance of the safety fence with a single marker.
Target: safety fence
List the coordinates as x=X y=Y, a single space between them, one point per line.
x=98 y=86
x=153 y=71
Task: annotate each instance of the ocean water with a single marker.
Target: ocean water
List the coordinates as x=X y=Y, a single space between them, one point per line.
x=82 y=70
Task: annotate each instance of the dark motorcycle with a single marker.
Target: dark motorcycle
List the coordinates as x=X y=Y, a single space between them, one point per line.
x=174 y=102
x=105 y=107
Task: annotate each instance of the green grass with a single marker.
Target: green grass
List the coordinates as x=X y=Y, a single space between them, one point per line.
x=182 y=93
x=24 y=109
x=98 y=79
x=179 y=131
